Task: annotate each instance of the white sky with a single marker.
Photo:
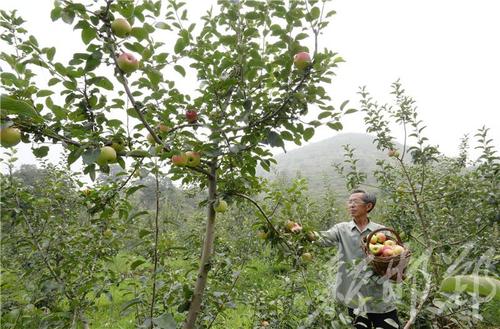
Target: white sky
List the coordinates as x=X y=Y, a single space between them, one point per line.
x=446 y=53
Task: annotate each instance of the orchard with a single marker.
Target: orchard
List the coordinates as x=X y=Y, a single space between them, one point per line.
x=173 y=226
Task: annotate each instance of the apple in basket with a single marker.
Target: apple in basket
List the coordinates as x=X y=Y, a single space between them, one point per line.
x=376 y=249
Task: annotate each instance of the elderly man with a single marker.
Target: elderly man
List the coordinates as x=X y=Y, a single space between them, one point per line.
x=366 y=295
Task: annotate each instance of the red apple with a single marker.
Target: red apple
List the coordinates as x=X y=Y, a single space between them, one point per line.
x=179 y=160
x=191 y=116
x=10 y=136
x=301 y=60
x=193 y=159
x=374 y=239
x=127 y=63
x=121 y=27
x=381 y=237
x=387 y=251
x=107 y=155
x=376 y=249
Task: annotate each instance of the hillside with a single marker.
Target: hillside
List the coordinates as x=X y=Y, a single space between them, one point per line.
x=315 y=161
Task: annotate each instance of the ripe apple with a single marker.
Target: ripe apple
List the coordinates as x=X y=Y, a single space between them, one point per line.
x=389 y=243
x=387 y=251
x=107 y=155
x=193 y=159
x=121 y=27
x=191 y=116
x=306 y=257
x=376 y=249
x=374 y=239
x=220 y=205
x=179 y=160
x=127 y=63
x=10 y=136
x=381 y=237
x=398 y=250
x=302 y=60
x=293 y=226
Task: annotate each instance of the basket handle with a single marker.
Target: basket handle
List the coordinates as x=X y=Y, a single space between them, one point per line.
x=369 y=237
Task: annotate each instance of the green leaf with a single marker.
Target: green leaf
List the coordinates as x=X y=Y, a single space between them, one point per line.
x=139 y=33
x=50 y=53
x=88 y=34
x=53 y=81
x=136 y=264
x=154 y=76
x=75 y=155
x=41 y=151
x=130 y=303
x=93 y=61
x=67 y=16
x=10 y=105
x=89 y=156
x=103 y=82
x=335 y=125
x=286 y=135
x=323 y=115
x=138 y=154
x=133 y=189
x=274 y=139
x=180 y=45
x=180 y=69
x=165 y=321
x=44 y=93
x=315 y=12
x=308 y=133
x=343 y=105
x=349 y=111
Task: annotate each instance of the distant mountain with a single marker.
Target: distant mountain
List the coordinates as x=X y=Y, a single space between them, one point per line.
x=315 y=162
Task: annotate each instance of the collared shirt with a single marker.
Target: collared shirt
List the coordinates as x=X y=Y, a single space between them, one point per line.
x=356 y=285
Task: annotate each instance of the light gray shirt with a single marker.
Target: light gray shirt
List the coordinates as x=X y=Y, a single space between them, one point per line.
x=356 y=285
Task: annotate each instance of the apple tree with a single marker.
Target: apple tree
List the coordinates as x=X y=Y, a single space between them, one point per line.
x=207 y=100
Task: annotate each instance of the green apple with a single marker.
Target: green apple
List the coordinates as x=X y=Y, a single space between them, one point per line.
x=220 y=205
x=193 y=159
x=306 y=257
x=374 y=239
x=10 y=136
x=389 y=243
x=398 y=250
x=163 y=128
x=375 y=249
x=127 y=63
x=121 y=27
x=302 y=60
x=179 y=160
x=312 y=236
x=262 y=235
x=393 y=153
x=107 y=155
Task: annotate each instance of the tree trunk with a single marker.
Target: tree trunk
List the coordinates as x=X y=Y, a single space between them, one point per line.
x=201 y=281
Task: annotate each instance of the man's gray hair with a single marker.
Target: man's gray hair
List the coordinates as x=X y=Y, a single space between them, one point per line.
x=367 y=197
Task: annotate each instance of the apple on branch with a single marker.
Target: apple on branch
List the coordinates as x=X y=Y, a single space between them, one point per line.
x=191 y=116
x=179 y=160
x=106 y=155
x=302 y=60
x=220 y=205
x=127 y=63
x=10 y=136
x=121 y=27
x=192 y=159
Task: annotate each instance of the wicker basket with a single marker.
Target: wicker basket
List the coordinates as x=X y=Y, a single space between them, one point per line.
x=392 y=267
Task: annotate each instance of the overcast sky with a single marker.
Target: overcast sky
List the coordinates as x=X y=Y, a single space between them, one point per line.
x=446 y=53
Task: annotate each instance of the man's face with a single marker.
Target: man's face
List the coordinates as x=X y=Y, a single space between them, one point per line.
x=356 y=206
